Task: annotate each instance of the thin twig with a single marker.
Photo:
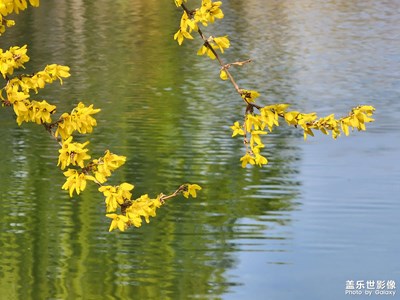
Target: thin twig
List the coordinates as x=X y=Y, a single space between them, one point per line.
x=182 y=188
x=221 y=63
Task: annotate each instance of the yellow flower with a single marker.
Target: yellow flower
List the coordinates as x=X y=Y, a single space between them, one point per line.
x=247 y=159
x=20 y=102
x=255 y=138
x=367 y=109
x=116 y=195
x=124 y=190
x=10 y=23
x=106 y=164
x=188 y=23
x=112 y=198
x=253 y=121
x=237 y=129
x=223 y=75
x=12 y=59
x=209 y=11
x=57 y=71
x=215 y=11
x=80 y=120
x=142 y=207
x=34 y=3
x=344 y=123
x=270 y=116
x=292 y=117
x=179 y=2
x=191 y=190
x=260 y=160
x=221 y=43
x=42 y=111
x=20 y=5
x=28 y=111
x=215 y=43
x=65 y=126
x=75 y=181
x=38 y=80
x=206 y=50
x=72 y=153
x=248 y=95
x=307 y=131
x=181 y=34
x=118 y=221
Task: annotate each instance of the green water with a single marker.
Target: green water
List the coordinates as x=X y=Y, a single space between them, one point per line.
x=320 y=213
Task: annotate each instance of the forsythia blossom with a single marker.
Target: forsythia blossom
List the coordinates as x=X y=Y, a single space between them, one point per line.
x=207 y=13
x=12 y=6
x=223 y=75
x=12 y=59
x=255 y=124
x=57 y=72
x=191 y=190
x=210 y=11
x=179 y=2
x=216 y=43
x=106 y=164
x=116 y=195
x=142 y=207
x=75 y=181
x=237 y=129
x=249 y=96
x=181 y=34
x=38 y=112
x=16 y=93
x=72 y=154
x=80 y=120
x=38 y=80
x=118 y=221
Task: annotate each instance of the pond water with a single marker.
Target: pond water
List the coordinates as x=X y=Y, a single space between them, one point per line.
x=322 y=212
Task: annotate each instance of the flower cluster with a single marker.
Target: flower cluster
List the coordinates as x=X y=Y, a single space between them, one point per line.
x=258 y=120
x=212 y=44
x=12 y=6
x=248 y=95
x=11 y=59
x=135 y=210
x=116 y=195
x=255 y=125
x=74 y=155
x=40 y=79
x=207 y=13
x=143 y=207
x=17 y=89
x=97 y=170
x=80 y=119
x=103 y=166
x=76 y=181
x=34 y=111
x=190 y=190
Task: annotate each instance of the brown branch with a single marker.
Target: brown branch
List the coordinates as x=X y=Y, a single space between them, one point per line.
x=181 y=189
x=128 y=202
x=49 y=129
x=221 y=63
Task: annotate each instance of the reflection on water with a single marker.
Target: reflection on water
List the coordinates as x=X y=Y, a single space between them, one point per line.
x=250 y=230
